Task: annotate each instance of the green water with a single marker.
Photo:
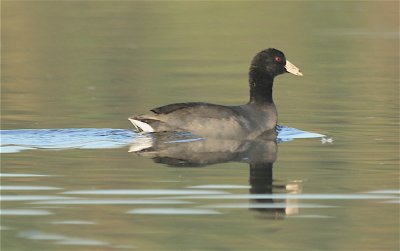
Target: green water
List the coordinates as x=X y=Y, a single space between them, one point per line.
x=84 y=64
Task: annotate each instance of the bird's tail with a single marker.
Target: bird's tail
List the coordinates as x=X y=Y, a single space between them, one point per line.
x=141 y=125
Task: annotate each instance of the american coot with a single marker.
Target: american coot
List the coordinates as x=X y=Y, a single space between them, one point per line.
x=247 y=121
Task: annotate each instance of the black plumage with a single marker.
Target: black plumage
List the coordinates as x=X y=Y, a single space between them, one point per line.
x=250 y=120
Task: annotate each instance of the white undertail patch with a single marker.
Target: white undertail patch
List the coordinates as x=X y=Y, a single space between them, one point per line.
x=141 y=125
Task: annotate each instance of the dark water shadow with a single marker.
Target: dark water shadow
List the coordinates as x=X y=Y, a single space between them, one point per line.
x=260 y=154
x=172 y=149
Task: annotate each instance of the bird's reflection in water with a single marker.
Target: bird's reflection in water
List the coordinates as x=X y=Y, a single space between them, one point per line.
x=183 y=151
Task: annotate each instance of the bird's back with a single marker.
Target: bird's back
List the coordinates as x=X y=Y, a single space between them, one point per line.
x=213 y=121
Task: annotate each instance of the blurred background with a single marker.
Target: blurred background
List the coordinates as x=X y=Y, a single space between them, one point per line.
x=92 y=64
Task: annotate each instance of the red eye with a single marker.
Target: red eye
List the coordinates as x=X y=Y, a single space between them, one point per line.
x=278 y=59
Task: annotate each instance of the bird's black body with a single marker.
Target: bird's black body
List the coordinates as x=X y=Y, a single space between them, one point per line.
x=250 y=120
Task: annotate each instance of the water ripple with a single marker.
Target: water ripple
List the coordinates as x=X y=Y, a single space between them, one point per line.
x=24 y=212
x=173 y=211
x=13 y=141
x=111 y=202
x=145 y=192
x=293 y=196
x=17 y=188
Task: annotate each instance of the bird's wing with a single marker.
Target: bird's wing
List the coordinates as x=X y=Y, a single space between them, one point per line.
x=173 y=107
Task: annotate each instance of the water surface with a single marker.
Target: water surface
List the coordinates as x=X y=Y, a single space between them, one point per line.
x=75 y=179
x=97 y=138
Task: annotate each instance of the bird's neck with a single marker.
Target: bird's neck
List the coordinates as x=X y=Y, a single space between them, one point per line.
x=260 y=87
